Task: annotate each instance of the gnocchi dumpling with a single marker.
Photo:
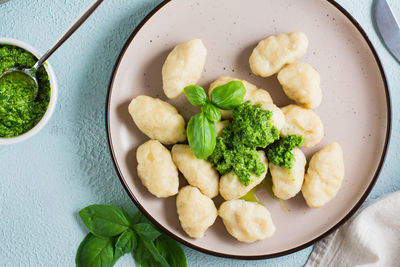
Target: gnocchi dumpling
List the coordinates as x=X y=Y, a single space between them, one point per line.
x=278 y=118
x=158 y=119
x=156 y=169
x=287 y=183
x=271 y=54
x=220 y=125
x=230 y=186
x=196 y=211
x=183 y=67
x=324 y=176
x=302 y=122
x=199 y=173
x=253 y=94
x=301 y=83
x=246 y=221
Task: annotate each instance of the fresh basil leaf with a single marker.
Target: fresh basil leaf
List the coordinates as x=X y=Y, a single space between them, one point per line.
x=137 y=217
x=201 y=134
x=105 y=220
x=156 y=254
x=171 y=251
x=229 y=95
x=125 y=243
x=146 y=231
x=143 y=257
x=95 y=252
x=196 y=95
x=211 y=112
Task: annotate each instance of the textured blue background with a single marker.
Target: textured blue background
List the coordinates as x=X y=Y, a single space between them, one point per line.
x=47 y=179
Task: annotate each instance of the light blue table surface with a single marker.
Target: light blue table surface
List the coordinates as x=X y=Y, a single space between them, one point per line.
x=46 y=180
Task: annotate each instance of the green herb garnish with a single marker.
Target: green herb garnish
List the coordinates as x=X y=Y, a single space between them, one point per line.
x=236 y=149
x=201 y=131
x=212 y=113
x=229 y=95
x=114 y=233
x=280 y=152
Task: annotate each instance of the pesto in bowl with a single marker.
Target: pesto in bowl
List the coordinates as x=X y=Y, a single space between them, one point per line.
x=20 y=111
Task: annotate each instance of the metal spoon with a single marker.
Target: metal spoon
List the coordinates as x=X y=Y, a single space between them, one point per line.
x=30 y=73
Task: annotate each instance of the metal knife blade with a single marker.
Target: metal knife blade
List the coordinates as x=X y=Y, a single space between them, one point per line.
x=388 y=27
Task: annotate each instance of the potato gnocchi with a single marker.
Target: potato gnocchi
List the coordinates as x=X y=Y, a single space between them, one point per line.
x=302 y=122
x=220 y=125
x=246 y=221
x=278 y=118
x=196 y=211
x=253 y=94
x=156 y=169
x=158 y=119
x=271 y=54
x=198 y=172
x=287 y=183
x=324 y=176
x=231 y=188
x=183 y=67
x=301 y=83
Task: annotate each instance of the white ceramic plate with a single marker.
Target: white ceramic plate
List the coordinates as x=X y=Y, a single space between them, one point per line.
x=355 y=108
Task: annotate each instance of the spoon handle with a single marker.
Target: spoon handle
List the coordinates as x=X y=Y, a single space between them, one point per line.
x=69 y=32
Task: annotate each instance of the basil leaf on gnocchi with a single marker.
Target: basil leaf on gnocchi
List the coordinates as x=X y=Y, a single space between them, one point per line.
x=211 y=112
x=201 y=134
x=196 y=95
x=229 y=95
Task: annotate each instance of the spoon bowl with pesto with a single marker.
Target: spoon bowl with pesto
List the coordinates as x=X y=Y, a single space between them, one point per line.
x=22 y=113
x=24 y=86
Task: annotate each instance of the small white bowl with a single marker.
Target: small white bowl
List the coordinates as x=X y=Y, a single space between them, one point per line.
x=53 y=94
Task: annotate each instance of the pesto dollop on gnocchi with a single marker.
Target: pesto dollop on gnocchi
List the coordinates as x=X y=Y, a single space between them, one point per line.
x=286 y=183
x=302 y=122
x=230 y=186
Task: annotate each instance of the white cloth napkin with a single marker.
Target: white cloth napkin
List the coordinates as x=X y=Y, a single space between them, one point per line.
x=370 y=238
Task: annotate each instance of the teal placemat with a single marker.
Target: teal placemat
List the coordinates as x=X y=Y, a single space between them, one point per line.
x=47 y=179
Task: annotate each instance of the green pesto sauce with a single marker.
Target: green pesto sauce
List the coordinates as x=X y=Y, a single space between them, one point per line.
x=252 y=126
x=19 y=110
x=236 y=149
x=251 y=195
x=280 y=152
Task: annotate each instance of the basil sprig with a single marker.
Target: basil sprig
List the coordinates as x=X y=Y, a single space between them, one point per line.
x=201 y=131
x=212 y=113
x=114 y=233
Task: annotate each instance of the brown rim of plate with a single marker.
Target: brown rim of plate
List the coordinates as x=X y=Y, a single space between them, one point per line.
x=266 y=256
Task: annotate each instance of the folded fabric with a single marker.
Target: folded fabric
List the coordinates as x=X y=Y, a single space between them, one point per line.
x=370 y=238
